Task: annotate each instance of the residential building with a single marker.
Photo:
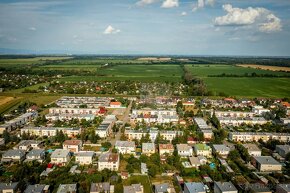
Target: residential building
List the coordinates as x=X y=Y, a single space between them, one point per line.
x=105 y=128
x=13 y=155
x=184 y=150
x=110 y=161
x=170 y=135
x=76 y=102
x=115 y=104
x=166 y=149
x=17 y=122
x=148 y=148
x=207 y=134
x=67 y=188
x=163 y=188
x=85 y=158
x=144 y=169
x=253 y=149
x=28 y=144
x=2 y=141
x=234 y=114
x=224 y=187
x=236 y=121
x=72 y=145
x=134 y=188
x=283 y=188
x=283 y=150
x=259 y=188
x=103 y=187
x=197 y=161
x=60 y=157
x=11 y=187
x=37 y=188
x=255 y=136
x=51 y=131
x=135 y=134
x=202 y=149
x=260 y=110
x=266 y=164
x=194 y=187
x=221 y=150
x=68 y=116
x=36 y=154
x=154 y=116
x=125 y=147
x=201 y=124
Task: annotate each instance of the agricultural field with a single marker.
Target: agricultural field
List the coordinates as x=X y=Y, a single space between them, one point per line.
x=242 y=86
x=213 y=69
x=263 y=67
x=249 y=87
x=22 y=62
x=147 y=73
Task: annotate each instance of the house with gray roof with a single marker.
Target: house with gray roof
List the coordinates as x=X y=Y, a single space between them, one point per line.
x=194 y=187
x=9 y=187
x=85 y=158
x=13 y=155
x=266 y=164
x=164 y=188
x=283 y=150
x=134 y=188
x=35 y=154
x=221 y=150
x=283 y=188
x=37 y=188
x=103 y=187
x=224 y=187
x=67 y=188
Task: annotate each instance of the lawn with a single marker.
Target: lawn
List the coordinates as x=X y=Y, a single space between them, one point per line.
x=144 y=180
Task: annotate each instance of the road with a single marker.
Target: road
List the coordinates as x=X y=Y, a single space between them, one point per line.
x=125 y=120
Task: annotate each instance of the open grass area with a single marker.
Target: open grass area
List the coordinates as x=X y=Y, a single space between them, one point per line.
x=6 y=105
x=144 y=180
x=33 y=87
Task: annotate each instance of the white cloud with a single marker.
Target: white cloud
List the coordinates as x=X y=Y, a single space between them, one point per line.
x=170 y=3
x=145 y=2
x=32 y=28
x=111 y=30
x=260 y=18
x=202 y=3
x=183 y=13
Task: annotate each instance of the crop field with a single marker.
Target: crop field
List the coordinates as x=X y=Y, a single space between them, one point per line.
x=263 y=67
x=147 y=73
x=18 y=62
x=250 y=87
x=213 y=69
x=242 y=86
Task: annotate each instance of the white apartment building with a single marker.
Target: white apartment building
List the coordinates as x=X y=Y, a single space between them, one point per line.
x=85 y=157
x=110 y=161
x=60 y=157
x=51 y=131
x=125 y=147
x=184 y=150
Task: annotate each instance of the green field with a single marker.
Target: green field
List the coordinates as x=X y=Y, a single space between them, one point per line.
x=250 y=87
x=213 y=69
x=146 y=73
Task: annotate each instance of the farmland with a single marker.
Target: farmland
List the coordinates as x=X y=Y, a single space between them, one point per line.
x=217 y=77
x=242 y=86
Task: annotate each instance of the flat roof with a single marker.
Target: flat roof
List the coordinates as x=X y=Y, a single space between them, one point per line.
x=266 y=160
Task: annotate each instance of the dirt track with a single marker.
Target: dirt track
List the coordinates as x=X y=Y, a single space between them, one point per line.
x=272 y=68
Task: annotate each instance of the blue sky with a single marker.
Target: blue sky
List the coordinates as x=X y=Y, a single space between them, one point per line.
x=174 y=27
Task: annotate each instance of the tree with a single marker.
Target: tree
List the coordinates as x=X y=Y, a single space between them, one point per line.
x=6 y=136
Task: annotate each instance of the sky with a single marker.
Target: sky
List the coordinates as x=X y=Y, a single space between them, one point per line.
x=147 y=27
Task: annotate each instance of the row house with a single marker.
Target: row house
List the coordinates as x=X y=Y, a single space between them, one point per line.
x=234 y=114
x=62 y=117
x=253 y=136
x=90 y=102
x=72 y=111
x=17 y=122
x=50 y=131
x=236 y=121
x=105 y=128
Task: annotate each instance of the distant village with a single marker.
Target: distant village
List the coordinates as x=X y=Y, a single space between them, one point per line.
x=139 y=145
